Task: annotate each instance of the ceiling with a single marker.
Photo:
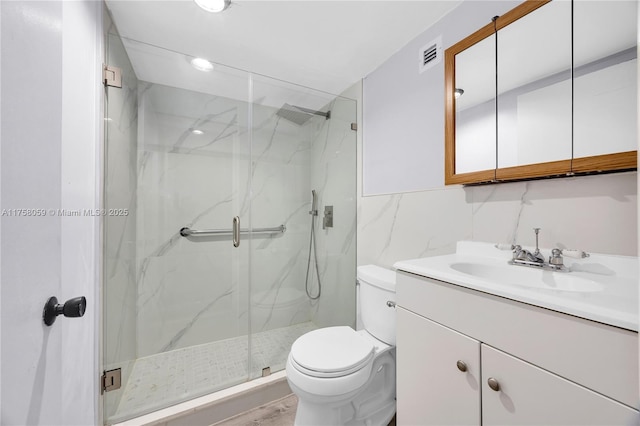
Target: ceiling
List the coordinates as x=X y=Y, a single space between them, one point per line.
x=326 y=45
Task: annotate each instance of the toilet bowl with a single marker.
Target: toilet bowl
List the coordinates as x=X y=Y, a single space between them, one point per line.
x=347 y=377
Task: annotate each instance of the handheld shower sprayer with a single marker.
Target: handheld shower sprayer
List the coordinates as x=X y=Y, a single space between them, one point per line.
x=312 y=247
x=314 y=203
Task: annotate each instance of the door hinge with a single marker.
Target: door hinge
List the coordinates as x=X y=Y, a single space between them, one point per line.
x=112 y=76
x=111 y=380
x=354 y=126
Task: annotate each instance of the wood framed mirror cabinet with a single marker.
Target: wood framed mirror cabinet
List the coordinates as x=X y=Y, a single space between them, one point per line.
x=548 y=89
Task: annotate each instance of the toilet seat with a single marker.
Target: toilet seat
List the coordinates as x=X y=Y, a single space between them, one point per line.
x=331 y=352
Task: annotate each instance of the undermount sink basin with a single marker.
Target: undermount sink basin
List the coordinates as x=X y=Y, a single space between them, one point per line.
x=527 y=277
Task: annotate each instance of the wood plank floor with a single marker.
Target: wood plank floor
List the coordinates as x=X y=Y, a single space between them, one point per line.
x=281 y=412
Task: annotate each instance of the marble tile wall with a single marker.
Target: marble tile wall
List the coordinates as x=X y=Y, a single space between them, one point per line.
x=333 y=176
x=188 y=290
x=192 y=291
x=592 y=213
x=410 y=225
x=281 y=158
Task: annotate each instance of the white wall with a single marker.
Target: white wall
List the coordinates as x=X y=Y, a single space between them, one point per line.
x=50 y=80
x=593 y=213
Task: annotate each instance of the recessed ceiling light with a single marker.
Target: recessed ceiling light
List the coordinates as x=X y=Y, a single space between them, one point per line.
x=197 y=132
x=201 y=64
x=213 y=5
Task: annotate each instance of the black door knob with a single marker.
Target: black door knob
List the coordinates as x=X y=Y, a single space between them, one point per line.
x=72 y=308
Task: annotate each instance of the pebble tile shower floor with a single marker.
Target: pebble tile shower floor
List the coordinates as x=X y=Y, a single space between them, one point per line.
x=170 y=377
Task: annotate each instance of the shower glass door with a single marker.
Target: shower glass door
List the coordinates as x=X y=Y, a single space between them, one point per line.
x=177 y=156
x=302 y=142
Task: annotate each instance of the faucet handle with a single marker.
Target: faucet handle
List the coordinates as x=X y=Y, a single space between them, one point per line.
x=518 y=253
x=504 y=246
x=556 y=257
x=577 y=254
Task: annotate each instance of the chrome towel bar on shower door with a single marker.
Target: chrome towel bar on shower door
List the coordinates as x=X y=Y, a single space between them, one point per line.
x=188 y=232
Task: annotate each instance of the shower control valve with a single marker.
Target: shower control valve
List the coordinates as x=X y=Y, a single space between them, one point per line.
x=327 y=220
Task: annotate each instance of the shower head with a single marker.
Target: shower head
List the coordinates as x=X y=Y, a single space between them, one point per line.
x=299 y=115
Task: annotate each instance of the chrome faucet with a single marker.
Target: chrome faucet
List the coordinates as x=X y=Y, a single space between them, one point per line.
x=523 y=257
x=527 y=258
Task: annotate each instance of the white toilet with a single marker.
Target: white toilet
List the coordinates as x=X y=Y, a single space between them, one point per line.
x=347 y=377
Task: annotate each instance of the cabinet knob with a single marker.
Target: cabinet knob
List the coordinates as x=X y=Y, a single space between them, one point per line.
x=493 y=384
x=461 y=366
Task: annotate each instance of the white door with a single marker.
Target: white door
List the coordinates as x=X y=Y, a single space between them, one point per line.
x=49 y=134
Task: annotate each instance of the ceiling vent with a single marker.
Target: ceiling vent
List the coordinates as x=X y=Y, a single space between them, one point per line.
x=430 y=54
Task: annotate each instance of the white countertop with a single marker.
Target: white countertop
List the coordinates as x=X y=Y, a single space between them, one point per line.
x=615 y=302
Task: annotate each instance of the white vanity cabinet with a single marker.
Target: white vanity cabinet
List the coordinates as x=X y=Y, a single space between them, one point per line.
x=551 y=368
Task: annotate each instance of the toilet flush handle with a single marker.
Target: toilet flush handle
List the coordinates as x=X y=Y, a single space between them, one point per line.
x=391 y=304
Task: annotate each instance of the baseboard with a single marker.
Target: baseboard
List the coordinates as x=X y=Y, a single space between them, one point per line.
x=210 y=409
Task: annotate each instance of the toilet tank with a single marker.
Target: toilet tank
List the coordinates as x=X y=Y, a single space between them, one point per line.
x=377 y=287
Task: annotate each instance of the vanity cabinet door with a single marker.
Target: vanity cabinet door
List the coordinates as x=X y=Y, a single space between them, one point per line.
x=528 y=395
x=432 y=389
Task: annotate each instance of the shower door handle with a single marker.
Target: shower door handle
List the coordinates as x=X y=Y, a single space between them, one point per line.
x=236 y=231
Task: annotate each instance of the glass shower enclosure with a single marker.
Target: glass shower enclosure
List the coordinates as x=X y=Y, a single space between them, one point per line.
x=210 y=269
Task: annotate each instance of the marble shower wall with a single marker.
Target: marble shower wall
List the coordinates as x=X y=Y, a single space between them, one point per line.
x=187 y=289
x=280 y=165
x=592 y=213
x=334 y=151
x=120 y=231
x=193 y=291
